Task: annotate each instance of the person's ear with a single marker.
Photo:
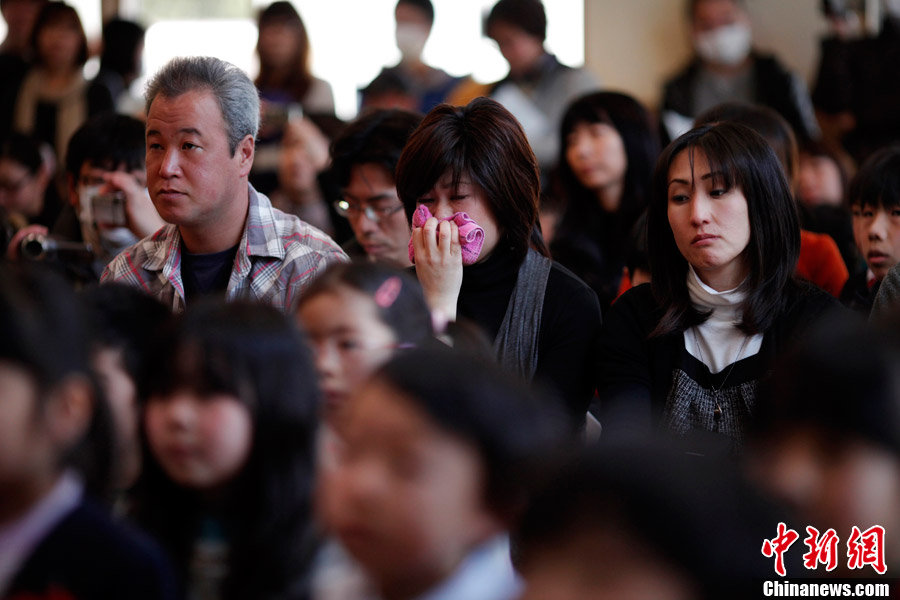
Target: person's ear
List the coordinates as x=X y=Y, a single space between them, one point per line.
x=69 y=410
x=244 y=152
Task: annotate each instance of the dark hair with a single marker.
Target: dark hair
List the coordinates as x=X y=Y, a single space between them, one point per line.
x=23 y=149
x=424 y=6
x=299 y=80
x=636 y=254
x=484 y=141
x=844 y=162
x=256 y=354
x=741 y=158
x=878 y=181
x=121 y=40
x=377 y=137
x=54 y=13
x=509 y=427
x=641 y=140
x=398 y=297
x=527 y=15
x=125 y=318
x=691 y=6
x=698 y=515
x=44 y=334
x=109 y=141
x=841 y=380
x=766 y=122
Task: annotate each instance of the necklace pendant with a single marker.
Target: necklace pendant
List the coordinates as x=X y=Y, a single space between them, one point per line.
x=717 y=413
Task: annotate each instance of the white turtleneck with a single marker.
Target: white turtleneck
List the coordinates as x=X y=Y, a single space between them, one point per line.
x=719 y=340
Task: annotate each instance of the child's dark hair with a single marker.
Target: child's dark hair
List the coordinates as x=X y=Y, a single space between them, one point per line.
x=108 y=141
x=398 y=297
x=377 y=137
x=842 y=380
x=23 y=149
x=256 y=354
x=43 y=334
x=698 y=515
x=509 y=426
x=877 y=183
x=125 y=318
x=527 y=15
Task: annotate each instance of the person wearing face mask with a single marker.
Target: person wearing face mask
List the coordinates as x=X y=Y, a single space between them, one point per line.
x=425 y=85
x=857 y=89
x=726 y=68
x=104 y=158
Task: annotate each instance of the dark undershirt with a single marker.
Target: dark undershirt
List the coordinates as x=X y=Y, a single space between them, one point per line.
x=206 y=274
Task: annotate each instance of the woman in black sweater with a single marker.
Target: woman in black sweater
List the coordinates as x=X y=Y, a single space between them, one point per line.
x=542 y=319
x=688 y=351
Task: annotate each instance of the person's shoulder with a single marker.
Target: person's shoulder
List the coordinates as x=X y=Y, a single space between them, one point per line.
x=298 y=234
x=149 y=249
x=570 y=291
x=807 y=303
x=90 y=553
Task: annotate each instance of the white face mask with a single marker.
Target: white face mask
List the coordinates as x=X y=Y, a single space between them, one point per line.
x=411 y=40
x=726 y=45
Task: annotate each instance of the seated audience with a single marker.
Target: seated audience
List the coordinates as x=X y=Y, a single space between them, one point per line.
x=438 y=447
x=356 y=316
x=229 y=425
x=828 y=439
x=363 y=161
x=820 y=259
x=645 y=521
x=538 y=88
x=685 y=354
x=53 y=100
x=425 y=86
x=123 y=321
x=223 y=238
x=608 y=147
x=875 y=203
x=470 y=184
x=121 y=62
x=27 y=195
x=726 y=68
x=55 y=540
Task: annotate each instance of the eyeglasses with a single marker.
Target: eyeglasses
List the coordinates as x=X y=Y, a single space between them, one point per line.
x=373 y=213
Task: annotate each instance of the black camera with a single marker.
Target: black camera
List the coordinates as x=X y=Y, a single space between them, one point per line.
x=36 y=246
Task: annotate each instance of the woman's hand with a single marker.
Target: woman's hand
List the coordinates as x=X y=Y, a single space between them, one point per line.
x=439 y=265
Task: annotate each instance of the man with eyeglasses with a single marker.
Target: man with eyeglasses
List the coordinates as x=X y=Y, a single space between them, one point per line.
x=363 y=159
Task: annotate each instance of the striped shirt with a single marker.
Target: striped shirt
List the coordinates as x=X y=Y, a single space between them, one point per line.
x=278 y=257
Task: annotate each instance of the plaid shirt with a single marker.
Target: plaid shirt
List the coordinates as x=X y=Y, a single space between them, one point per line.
x=278 y=256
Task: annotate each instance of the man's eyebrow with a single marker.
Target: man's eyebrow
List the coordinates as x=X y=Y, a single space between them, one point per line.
x=192 y=130
x=381 y=196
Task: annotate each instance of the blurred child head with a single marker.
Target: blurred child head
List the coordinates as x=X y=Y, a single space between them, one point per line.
x=434 y=464
x=24 y=175
x=229 y=423
x=875 y=204
x=828 y=442
x=51 y=417
x=123 y=320
x=643 y=521
x=823 y=175
x=357 y=316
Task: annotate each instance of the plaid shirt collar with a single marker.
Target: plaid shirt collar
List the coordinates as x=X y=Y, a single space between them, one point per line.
x=256 y=240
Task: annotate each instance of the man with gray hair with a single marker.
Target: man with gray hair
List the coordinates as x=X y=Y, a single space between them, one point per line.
x=224 y=237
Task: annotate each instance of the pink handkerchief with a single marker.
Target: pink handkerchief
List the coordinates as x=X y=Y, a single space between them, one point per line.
x=471 y=235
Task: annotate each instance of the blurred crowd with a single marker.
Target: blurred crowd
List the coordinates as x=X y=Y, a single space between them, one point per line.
x=524 y=340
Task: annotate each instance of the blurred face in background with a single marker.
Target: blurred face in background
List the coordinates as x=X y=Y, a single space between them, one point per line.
x=596 y=154
x=385 y=238
x=21 y=191
x=58 y=44
x=406 y=498
x=819 y=181
x=349 y=342
x=278 y=45
x=520 y=49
